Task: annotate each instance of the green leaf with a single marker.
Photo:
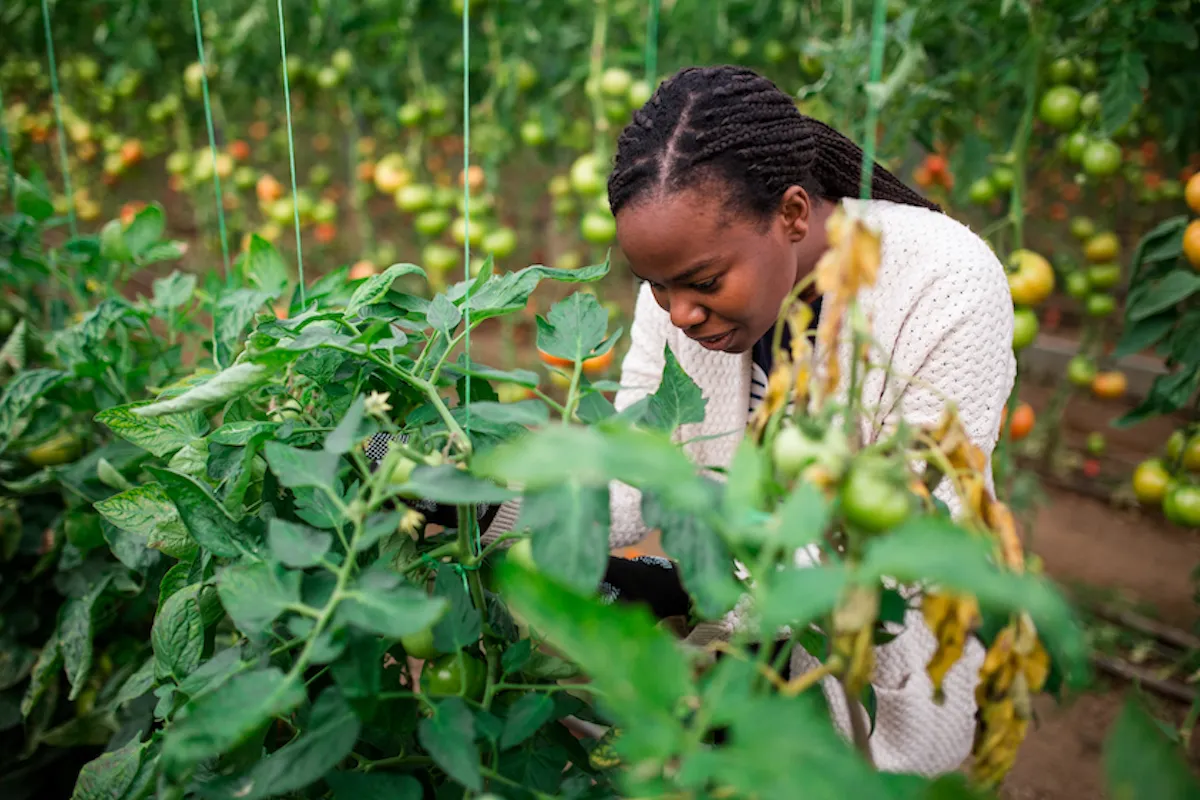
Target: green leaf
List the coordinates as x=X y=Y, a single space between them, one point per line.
x=375 y=287
x=704 y=562
x=130 y=549
x=44 y=674
x=160 y=435
x=374 y=786
x=449 y=737
x=449 y=485
x=31 y=201
x=461 y=623
x=223 y=719
x=76 y=628
x=255 y=594
x=212 y=673
x=145 y=229
x=233 y=313
x=1143 y=333
x=520 y=377
x=147 y=513
x=345 y=436
x=528 y=714
x=802 y=517
x=798 y=596
x=20 y=393
x=1168 y=394
x=511 y=291
x=526 y=413
x=327 y=738
x=1121 y=94
x=16 y=662
x=263 y=267
x=240 y=433
x=575 y=328
x=110 y=775
x=113 y=246
x=570 y=526
x=205 y=519
x=516 y=657
x=936 y=550
x=220 y=388
x=641 y=684
x=1167 y=293
x=296 y=468
x=380 y=604
x=297 y=545
x=677 y=400
x=443 y=315
x=137 y=684
x=177 y=635
x=172 y=292
x=1141 y=763
x=743 y=496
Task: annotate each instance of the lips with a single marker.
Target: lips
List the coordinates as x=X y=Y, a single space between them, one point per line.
x=716 y=342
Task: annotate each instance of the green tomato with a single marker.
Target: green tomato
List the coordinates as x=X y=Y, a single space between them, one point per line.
x=1089 y=106
x=409 y=115
x=453 y=674
x=432 y=222
x=1087 y=70
x=1082 y=228
x=8 y=321
x=597 y=227
x=1191 y=454
x=774 y=51
x=533 y=133
x=1059 y=107
x=1151 y=480
x=1077 y=285
x=414 y=198
x=1182 y=505
x=585 y=175
x=500 y=242
x=420 y=644
x=1081 y=370
x=328 y=77
x=1025 y=327
x=982 y=192
x=1096 y=444
x=615 y=82
x=1061 y=70
x=872 y=500
x=1076 y=145
x=1101 y=158
x=1100 y=305
x=439 y=257
x=792 y=451
x=1003 y=178
x=1103 y=276
x=640 y=93
x=521 y=553
x=1175 y=446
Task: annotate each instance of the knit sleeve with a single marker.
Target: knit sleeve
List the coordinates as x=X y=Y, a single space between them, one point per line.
x=641 y=374
x=954 y=337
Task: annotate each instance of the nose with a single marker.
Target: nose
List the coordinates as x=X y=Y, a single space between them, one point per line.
x=686 y=313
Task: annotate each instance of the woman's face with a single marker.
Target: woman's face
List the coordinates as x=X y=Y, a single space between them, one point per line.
x=721 y=276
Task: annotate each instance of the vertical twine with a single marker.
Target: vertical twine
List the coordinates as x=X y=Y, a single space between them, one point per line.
x=476 y=542
x=878 y=25
x=287 y=105
x=652 y=42
x=9 y=163
x=58 y=117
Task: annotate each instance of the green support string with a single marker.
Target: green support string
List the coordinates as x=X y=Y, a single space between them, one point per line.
x=58 y=117
x=287 y=106
x=10 y=164
x=212 y=144
x=878 y=25
x=652 y=43
x=476 y=543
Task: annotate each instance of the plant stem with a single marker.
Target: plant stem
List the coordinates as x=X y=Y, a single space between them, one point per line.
x=862 y=737
x=573 y=394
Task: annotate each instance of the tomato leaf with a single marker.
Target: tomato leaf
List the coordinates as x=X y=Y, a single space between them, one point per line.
x=640 y=684
x=798 y=596
x=161 y=435
x=524 y=718
x=297 y=545
x=575 y=328
x=936 y=550
x=1122 y=91
x=378 y=603
x=347 y=434
x=1167 y=394
x=110 y=775
x=30 y=200
x=146 y=512
x=296 y=468
x=704 y=562
x=222 y=387
x=226 y=717
x=375 y=287
x=263 y=267
x=173 y=291
x=511 y=291
x=461 y=623
x=76 y=628
x=449 y=737
x=205 y=519
x=516 y=657
x=443 y=315
x=232 y=314
x=802 y=517
x=1140 y=762
x=1140 y=334
x=677 y=400
x=1176 y=287
x=451 y=486
x=374 y=786
x=177 y=635
x=570 y=525
x=255 y=594
x=20 y=393
x=328 y=737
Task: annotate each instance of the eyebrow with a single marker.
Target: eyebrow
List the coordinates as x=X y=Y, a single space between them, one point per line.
x=690 y=272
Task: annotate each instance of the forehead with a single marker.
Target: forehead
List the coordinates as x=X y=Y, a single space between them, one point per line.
x=664 y=236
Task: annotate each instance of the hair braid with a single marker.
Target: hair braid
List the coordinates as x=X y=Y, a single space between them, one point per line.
x=731 y=123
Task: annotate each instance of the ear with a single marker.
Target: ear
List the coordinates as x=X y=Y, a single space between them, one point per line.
x=795 y=211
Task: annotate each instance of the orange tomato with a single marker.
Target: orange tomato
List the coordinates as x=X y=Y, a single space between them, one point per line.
x=130 y=210
x=366 y=172
x=474 y=177
x=259 y=130
x=1059 y=212
x=325 y=232
x=1109 y=385
x=935 y=163
x=268 y=189
x=1191 y=243
x=1091 y=468
x=131 y=152
x=239 y=149
x=1071 y=192
x=591 y=366
x=922 y=177
x=1022 y=421
x=1192 y=192
x=361 y=269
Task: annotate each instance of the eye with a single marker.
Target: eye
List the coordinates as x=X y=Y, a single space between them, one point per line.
x=705 y=286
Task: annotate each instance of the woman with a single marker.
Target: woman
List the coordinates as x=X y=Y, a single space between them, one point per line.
x=721 y=190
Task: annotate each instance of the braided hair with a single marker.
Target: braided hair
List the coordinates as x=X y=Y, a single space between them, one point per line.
x=732 y=124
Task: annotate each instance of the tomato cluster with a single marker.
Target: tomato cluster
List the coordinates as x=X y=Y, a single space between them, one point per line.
x=1171 y=481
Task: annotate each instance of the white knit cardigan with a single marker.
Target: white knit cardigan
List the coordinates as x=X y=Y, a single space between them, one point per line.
x=941 y=312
